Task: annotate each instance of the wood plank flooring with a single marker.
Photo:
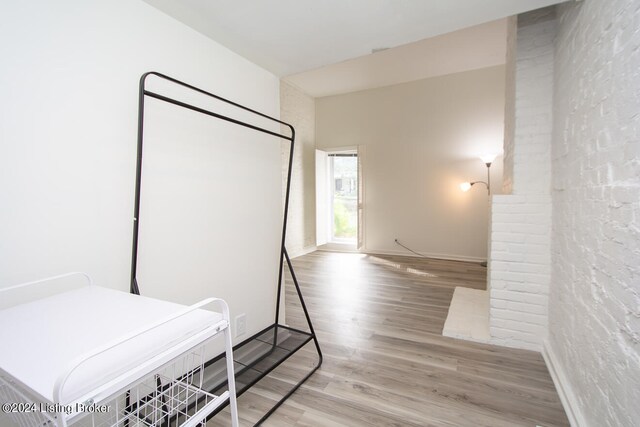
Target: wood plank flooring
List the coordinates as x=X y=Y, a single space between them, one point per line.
x=379 y=320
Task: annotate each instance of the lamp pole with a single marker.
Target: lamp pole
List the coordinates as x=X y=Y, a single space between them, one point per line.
x=488 y=178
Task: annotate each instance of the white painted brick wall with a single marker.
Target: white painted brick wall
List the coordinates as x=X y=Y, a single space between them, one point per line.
x=519 y=260
x=520 y=270
x=298 y=109
x=509 y=106
x=594 y=308
x=533 y=103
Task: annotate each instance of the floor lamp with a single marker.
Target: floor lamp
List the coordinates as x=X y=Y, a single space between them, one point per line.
x=487 y=159
x=466 y=186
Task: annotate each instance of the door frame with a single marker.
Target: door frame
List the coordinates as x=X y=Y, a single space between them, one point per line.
x=358 y=150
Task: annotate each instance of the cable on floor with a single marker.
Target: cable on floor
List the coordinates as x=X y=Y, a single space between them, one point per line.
x=409 y=249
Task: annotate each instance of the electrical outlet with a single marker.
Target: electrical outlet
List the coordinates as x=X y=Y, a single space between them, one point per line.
x=241 y=324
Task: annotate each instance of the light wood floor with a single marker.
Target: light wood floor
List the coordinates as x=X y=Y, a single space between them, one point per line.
x=379 y=320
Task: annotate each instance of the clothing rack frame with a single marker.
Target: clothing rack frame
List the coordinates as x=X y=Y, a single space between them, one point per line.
x=280 y=341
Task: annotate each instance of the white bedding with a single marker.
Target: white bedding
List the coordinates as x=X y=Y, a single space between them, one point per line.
x=39 y=340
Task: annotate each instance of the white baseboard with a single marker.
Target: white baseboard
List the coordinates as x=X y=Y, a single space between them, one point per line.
x=303 y=251
x=563 y=387
x=338 y=247
x=425 y=254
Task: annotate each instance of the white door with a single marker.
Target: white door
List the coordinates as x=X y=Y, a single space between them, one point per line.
x=322 y=198
x=360 y=242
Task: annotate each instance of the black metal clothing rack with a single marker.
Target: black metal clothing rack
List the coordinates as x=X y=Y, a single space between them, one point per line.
x=260 y=354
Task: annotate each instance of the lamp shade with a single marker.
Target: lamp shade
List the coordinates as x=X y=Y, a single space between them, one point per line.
x=465 y=186
x=488 y=158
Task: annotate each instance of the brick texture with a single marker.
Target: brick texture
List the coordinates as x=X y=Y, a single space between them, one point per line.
x=510 y=106
x=519 y=261
x=298 y=109
x=594 y=307
x=520 y=270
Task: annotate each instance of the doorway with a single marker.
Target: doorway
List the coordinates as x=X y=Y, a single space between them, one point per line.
x=338 y=199
x=344 y=197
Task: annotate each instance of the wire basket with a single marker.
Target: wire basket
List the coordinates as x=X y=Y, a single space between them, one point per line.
x=169 y=397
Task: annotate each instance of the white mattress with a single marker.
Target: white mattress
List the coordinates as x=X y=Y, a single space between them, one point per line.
x=40 y=339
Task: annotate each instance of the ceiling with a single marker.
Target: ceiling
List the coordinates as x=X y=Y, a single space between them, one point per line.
x=481 y=46
x=289 y=37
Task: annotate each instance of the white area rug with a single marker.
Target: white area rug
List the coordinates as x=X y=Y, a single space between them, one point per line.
x=468 y=317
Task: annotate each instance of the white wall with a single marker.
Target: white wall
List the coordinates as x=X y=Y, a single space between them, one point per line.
x=298 y=109
x=68 y=85
x=519 y=261
x=422 y=139
x=594 y=304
